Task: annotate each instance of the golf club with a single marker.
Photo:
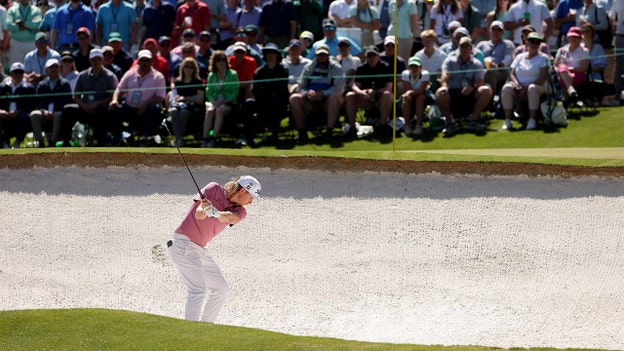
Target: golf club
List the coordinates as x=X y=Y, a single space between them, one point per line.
x=164 y=124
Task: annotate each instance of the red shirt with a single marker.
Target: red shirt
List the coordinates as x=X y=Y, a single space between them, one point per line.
x=199 y=14
x=245 y=70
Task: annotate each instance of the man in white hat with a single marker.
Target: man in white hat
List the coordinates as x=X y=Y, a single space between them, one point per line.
x=53 y=93
x=217 y=208
x=15 y=106
x=498 y=54
x=144 y=89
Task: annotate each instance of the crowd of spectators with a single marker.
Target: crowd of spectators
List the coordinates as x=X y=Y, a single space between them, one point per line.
x=214 y=66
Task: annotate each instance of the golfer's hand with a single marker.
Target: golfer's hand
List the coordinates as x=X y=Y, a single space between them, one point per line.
x=200 y=211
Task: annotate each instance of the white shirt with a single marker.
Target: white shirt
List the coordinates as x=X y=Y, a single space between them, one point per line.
x=417 y=82
x=528 y=70
x=294 y=71
x=617 y=9
x=538 y=10
x=340 y=8
x=431 y=63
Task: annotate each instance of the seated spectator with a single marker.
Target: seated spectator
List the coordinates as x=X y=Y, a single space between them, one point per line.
x=431 y=57
x=572 y=63
x=53 y=93
x=245 y=67
x=142 y=91
x=295 y=63
x=498 y=54
x=523 y=48
x=331 y=40
x=387 y=56
x=222 y=92
x=35 y=61
x=81 y=55
x=15 y=106
x=348 y=62
x=415 y=98
x=122 y=58
x=252 y=39
x=462 y=85
x=321 y=86
x=528 y=79
x=270 y=89
x=307 y=40
x=68 y=69
x=107 y=61
x=597 y=55
x=205 y=51
x=372 y=89
x=173 y=60
x=462 y=32
x=93 y=92
x=445 y=43
x=159 y=63
x=186 y=98
x=189 y=51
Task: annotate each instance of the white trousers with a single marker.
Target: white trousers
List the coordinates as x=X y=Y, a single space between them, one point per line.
x=202 y=278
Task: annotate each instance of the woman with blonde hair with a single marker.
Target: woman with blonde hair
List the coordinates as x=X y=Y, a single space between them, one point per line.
x=221 y=96
x=442 y=14
x=186 y=97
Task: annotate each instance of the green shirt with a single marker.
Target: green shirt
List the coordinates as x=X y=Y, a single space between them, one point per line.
x=30 y=15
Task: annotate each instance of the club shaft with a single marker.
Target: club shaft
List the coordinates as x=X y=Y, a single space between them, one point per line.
x=164 y=123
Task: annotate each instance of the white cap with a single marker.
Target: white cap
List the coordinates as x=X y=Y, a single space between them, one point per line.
x=145 y=54
x=16 y=66
x=498 y=24
x=251 y=184
x=389 y=39
x=95 y=53
x=51 y=62
x=461 y=30
x=453 y=24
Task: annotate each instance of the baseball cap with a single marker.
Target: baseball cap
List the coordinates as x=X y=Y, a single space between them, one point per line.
x=144 y=54
x=163 y=38
x=535 y=35
x=371 y=49
x=252 y=185
x=83 y=30
x=389 y=39
x=239 y=45
x=294 y=42
x=307 y=34
x=96 y=53
x=453 y=24
x=114 y=36
x=251 y=28
x=205 y=33
x=107 y=48
x=498 y=24
x=461 y=30
x=17 y=66
x=528 y=28
x=465 y=40
x=188 y=31
x=51 y=62
x=322 y=49
x=150 y=41
x=41 y=35
x=574 y=32
x=415 y=60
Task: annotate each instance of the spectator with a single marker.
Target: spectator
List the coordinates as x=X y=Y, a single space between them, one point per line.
x=451 y=45
x=565 y=17
x=594 y=14
x=217 y=16
x=23 y=20
x=123 y=58
x=35 y=61
x=93 y=92
x=331 y=41
x=366 y=18
x=295 y=63
x=205 y=49
x=159 y=63
x=415 y=98
x=311 y=17
x=188 y=36
x=348 y=62
x=144 y=89
x=307 y=39
x=108 y=54
x=278 y=23
x=226 y=30
x=173 y=60
x=372 y=89
x=15 y=106
x=321 y=86
x=188 y=50
x=193 y=15
x=500 y=14
x=498 y=54
x=221 y=97
x=116 y=16
x=250 y=14
x=384 y=18
x=479 y=10
x=81 y=55
x=53 y=93
x=597 y=55
x=270 y=88
x=186 y=98
x=572 y=63
x=68 y=69
x=532 y=12
x=617 y=12
x=528 y=80
x=444 y=12
x=252 y=42
x=48 y=13
x=462 y=85
x=523 y=48
x=158 y=18
x=431 y=58
x=5 y=39
x=407 y=23
x=139 y=7
x=387 y=56
x=70 y=17
x=339 y=11
x=460 y=33
x=245 y=67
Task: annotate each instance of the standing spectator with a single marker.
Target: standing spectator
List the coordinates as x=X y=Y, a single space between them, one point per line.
x=186 y=98
x=366 y=18
x=252 y=41
x=572 y=63
x=123 y=58
x=5 y=39
x=311 y=17
x=23 y=20
x=594 y=14
x=35 y=61
x=158 y=18
x=93 y=92
x=49 y=17
x=451 y=28
x=500 y=14
x=339 y=11
x=617 y=14
x=15 y=106
x=193 y=14
x=321 y=87
x=116 y=16
x=532 y=12
x=145 y=90
x=250 y=14
x=69 y=18
x=81 y=55
x=565 y=18
x=68 y=69
x=460 y=33
x=53 y=93
x=348 y=62
x=384 y=17
x=442 y=14
x=372 y=89
x=107 y=61
x=139 y=7
x=295 y=63
x=414 y=99
x=498 y=54
x=278 y=23
x=227 y=27
x=479 y=12
x=431 y=57
x=407 y=23
x=205 y=49
x=331 y=40
x=523 y=48
x=173 y=60
x=221 y=97
x=217 y=16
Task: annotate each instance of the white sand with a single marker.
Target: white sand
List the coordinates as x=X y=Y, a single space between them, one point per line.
x=427 y=259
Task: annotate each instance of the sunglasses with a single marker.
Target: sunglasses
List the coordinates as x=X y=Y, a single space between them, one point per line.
x=108 y=54
x=241 y=34
x=67 y=60
x=329 y=28
x=343 y=45
x=533 y=41
x=205 y=40
x=189 y=67
x=496 y=29
x=466 y=46
x=83 y=37
x=220 y=59
x=41 y=41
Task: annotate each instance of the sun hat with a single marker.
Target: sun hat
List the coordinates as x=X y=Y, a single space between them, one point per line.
x=252 y=185
x=415 y=60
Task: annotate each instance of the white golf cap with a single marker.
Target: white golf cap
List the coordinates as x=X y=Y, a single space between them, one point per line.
x=145 y=54
x=251 y=184
x=95 y=53
x=51 y=62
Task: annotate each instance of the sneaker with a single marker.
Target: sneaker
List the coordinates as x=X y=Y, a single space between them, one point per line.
x=352 y=133
x=16 y=145
x=418 y=130
x=615 y=102
x=450 y=130
x=507 y=125
x=531 y=124
x=408 y=131
x=572 y=92
x=208 y=143
x=475 y=126
x=302 y=137
x=179 y=143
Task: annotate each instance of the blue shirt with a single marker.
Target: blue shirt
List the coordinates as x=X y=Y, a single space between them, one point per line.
x=116 y=19
x=333 y=47
x=158 y=22
x=563 y=8
x=68 y=21
x=48 y=20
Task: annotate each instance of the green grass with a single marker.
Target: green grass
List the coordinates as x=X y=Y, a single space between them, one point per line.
x=99 y=329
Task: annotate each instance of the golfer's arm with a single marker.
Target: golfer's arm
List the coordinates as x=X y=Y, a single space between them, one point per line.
x=229 y=217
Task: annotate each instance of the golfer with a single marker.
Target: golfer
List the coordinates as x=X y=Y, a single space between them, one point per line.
x=205 y=219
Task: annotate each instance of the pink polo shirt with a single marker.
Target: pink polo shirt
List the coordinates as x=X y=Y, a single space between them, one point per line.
x=201 y=231
x=150 y=85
